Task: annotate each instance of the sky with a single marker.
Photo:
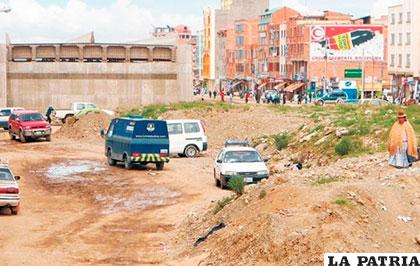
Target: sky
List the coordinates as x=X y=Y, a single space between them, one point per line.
x=131 y=20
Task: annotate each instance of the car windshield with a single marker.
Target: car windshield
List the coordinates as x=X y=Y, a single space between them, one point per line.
x=31 y=117
x=242 y=157
x=5 y=112
x=6 y=175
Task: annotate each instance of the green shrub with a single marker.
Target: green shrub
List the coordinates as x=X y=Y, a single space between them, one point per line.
x=343 y=147
x=237 y=184
x=342 y=201
x=221 y=204
x=281 y=140
x=325 y=180
x=263 y=193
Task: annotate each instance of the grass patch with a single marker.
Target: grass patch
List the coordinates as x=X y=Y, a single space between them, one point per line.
x=325 y=180
x=342 y=201
x=155 y=111
x=343 y=147
x=237 y=184
x=221 y=204
x=263 y=194
x=281 y=140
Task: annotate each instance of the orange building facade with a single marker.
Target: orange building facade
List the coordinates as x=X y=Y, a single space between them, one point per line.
x=277 y=45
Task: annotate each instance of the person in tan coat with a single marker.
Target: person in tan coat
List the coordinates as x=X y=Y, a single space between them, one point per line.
x=402 y=145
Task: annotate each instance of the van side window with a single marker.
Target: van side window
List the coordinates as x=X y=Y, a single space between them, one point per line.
x=192 y=128
x=175 y=129
x=110 y=130
x=80 y=106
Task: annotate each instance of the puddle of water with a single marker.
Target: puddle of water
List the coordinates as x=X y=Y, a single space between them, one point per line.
x=148 y=197
x=71 y=170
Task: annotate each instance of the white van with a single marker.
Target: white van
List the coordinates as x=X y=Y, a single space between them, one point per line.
x=187 y=137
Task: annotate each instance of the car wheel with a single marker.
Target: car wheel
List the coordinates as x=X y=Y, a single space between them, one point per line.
x=181 y=155
x=159 y=166
x=191 y=151
x=11 y=135
x=48 y=138
x=14 y=210
x=5 y=128
x=216 y=181
x=127 y=164
x=110 y=161
x=22 y=137
x=223 y=184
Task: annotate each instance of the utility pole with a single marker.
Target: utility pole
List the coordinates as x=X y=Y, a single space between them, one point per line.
x=363 y=75
x=325 y=68
x=373 y=74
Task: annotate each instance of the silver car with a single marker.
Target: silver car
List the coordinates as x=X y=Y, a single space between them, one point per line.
x=9 y=190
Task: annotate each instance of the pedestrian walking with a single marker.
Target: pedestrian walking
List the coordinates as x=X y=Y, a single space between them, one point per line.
x=214 y=94
x=222 y=95
x=402 y=145
x=231 y=96
x=299 y=98
x=210 y=94
x=284 y=98
x=50 y=113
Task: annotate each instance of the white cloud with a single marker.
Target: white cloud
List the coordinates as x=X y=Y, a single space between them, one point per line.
x=380 y=7
x=29 y=21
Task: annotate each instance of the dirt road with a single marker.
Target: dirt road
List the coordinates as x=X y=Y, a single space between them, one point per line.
x=75 y=210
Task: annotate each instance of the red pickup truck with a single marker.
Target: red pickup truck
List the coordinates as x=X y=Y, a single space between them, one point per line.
x=28 y=125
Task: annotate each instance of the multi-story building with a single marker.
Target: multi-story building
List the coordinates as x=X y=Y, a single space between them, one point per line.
x=321 y=48
x=216 y=22
x=404 y=41
x=272 y=41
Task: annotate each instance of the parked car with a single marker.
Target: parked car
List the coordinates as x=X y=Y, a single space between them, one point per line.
x=134 y=140
x=9 y=189
x=238 y=159
x=28 y=125
x=374 y=102
x=63 y=114
x=337 y=96
x=187 y=137
x=5 y=114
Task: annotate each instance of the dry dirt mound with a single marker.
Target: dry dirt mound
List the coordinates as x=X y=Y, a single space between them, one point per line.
x=239 y=123
x=296 y=220
x=85 y=127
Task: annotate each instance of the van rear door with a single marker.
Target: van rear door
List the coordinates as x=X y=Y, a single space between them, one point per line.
x=150 y=137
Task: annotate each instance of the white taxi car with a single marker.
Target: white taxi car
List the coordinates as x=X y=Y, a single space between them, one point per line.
x=9 y=189
x=238 y=159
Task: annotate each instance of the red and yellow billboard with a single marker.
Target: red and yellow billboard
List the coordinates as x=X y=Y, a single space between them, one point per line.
x=347 y=42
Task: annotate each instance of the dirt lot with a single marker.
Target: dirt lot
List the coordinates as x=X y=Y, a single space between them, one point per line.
x=75 y=210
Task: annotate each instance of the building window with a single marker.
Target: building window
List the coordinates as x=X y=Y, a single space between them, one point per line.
x=400 y=18
x=392 y=19
x=239 y=54
x=399 y=38
x=408 y=17
x=240 y=40
x=239 y=28
x=408 y=42
x=408 y=63
x=392 y=38
x=239 y=68
x=392 y=63
x=399 y=60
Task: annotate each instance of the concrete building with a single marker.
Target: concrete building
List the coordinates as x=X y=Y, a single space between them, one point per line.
x=404 y=41
x=216 y=22
x=111 y=75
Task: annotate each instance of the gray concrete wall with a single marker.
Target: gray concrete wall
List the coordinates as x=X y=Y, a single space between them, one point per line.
x=3 y=75
x=35 y=85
